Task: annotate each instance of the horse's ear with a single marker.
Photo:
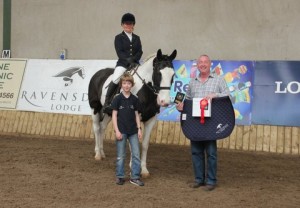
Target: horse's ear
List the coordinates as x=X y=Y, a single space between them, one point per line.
x=173 y=55
x=159 y=54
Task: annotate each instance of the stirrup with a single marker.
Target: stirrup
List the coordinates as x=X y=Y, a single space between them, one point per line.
x=108 y=109
x=105 y=108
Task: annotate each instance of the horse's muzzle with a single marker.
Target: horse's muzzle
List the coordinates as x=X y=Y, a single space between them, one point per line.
x=162 y=103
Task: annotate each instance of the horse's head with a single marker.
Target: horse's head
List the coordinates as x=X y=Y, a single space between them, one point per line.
x=81 y=72
x=163 y=72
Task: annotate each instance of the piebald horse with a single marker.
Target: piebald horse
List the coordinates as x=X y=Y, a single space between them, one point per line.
x=153 y=81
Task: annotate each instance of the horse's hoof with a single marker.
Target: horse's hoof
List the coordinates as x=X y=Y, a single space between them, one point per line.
x=145 y=175
x=98 y=157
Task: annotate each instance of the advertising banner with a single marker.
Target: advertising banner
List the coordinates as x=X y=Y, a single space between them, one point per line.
x=59 y=86
x=238 y=76
x=276 y=93
x=11 y=75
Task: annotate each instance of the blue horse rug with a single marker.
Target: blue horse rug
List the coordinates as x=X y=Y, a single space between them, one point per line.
x=218 y=126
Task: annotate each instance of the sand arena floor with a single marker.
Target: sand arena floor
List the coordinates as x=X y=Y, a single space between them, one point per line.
x=38 y=172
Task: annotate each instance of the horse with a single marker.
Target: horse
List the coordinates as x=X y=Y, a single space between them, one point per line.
x=152 y=86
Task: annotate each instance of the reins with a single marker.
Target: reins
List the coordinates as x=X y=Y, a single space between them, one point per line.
x=143 y=80
x=154 y=89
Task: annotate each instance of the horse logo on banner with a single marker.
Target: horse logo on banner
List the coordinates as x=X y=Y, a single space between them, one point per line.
x=68 y=74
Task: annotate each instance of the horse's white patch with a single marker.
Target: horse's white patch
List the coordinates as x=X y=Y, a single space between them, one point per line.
x=164 y=95
x=104 y=89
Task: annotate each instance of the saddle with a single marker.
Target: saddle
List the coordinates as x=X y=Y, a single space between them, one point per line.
x=218 y=126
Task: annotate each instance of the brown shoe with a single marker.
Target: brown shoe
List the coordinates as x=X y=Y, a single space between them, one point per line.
x=196 y=185
x=209 y=187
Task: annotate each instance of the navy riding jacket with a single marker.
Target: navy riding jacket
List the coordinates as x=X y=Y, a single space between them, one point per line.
x=128 y=51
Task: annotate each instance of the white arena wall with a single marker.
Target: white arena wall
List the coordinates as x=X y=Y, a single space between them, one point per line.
x=223 y=29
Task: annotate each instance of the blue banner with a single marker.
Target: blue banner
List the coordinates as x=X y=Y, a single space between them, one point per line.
x=276 y=93
x=238 y=76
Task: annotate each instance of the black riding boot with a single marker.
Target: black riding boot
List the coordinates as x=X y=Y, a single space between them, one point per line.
x=112 y=87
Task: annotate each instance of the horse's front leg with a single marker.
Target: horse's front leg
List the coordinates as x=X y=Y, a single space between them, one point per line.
x=99 y=130
x=148 y=126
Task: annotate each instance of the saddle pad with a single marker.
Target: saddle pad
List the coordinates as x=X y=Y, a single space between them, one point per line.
x=218 y=126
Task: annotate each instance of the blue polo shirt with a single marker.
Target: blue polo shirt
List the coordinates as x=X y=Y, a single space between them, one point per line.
x=126 y=108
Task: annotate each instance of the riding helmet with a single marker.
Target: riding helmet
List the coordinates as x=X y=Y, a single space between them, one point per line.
x=128 y=17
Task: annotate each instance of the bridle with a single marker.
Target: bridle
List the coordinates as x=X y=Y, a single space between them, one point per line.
x=143 y=80
x=154 y=88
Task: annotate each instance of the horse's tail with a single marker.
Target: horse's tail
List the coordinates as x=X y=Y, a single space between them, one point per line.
x=95 y=88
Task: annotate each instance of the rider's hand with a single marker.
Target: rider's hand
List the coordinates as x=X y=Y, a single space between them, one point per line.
x=133 y=65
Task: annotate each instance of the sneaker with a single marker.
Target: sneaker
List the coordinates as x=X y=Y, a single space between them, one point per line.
x=196 y=185
x=209 y=187
x=120 y=181
x=137 y=182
